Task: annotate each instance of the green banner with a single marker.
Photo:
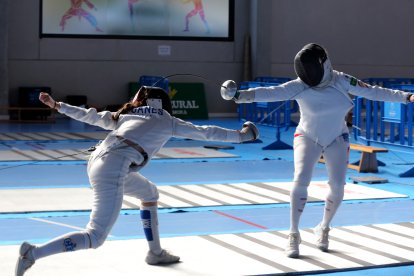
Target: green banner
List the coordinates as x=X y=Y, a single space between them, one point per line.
x=188 y=100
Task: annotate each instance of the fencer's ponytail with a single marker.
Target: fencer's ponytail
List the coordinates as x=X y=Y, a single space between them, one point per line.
x=126 y=108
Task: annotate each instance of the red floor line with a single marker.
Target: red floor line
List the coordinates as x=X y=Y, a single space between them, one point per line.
x=240 y=219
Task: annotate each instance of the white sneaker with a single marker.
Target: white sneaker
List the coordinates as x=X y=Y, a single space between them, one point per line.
x=164 y=258
x=292 y=249
x=322 y=237
x=25 y=260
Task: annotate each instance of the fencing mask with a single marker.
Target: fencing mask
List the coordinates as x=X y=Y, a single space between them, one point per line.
x=312 y=65
x=154 y=97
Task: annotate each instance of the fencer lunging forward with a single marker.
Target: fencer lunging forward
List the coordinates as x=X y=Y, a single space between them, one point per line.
x=139 y=130
x=323 y=99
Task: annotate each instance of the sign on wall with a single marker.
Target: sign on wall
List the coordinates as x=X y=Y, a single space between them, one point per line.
x=392 y=112
x=188 y=100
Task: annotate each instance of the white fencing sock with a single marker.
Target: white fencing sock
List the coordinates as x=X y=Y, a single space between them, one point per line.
x=69 y=242
x=149 y=218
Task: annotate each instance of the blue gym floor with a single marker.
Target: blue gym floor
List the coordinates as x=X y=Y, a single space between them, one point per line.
x=252 y=164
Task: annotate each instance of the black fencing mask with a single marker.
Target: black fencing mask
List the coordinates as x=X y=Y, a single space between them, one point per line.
x=309 y=64
x=154 y=97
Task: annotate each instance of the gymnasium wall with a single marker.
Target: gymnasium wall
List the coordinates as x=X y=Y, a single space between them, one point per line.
x=368 y=38
x=102 y=68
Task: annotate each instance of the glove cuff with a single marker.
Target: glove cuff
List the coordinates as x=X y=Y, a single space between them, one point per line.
x=236 y=96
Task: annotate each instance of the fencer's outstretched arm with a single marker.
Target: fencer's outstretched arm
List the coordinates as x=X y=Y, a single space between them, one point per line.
x=184 y=129
x=283 y=92
x=90 y=116
x=357 y=87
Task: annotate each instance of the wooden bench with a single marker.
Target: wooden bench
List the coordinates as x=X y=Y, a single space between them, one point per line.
x=368 y=161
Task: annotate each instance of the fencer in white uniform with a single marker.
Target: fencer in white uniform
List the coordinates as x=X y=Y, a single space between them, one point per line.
x=323 y=98
x=138 y=131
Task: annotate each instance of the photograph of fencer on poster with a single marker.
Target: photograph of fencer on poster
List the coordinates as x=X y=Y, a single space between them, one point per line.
x=155 y=19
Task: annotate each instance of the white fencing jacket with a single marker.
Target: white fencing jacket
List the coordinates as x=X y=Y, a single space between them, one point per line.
x=322 y=109
x=148 y=127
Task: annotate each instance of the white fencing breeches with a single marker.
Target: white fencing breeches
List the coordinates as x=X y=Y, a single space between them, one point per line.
x=306 y=154
x=111 y=177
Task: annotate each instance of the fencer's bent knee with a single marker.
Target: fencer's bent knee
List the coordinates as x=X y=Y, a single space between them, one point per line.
x=155 y=195
x=141 y=188
x=150 y=195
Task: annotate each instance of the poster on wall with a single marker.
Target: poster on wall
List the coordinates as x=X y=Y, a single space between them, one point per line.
x=188 y=100
x=148 y=19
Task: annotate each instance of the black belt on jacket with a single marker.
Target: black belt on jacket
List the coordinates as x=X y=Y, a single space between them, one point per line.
x=137 y=148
